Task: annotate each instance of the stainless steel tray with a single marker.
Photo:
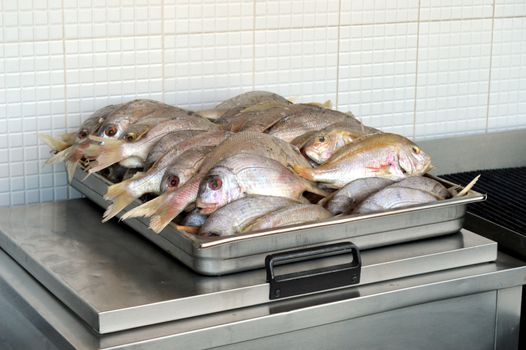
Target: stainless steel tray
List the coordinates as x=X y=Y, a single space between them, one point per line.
x=222 y=255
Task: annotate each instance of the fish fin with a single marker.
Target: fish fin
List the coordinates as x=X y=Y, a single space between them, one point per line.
x=305 y=173
x=468 y=187
x=110 y=153
x=61 y=156
x=53 y=143
x=119 y=203
x=71 y=166
x=146 y=209
x=190 y=229
x=313 y=189
x=327 y=104
x=69 y=138
x=326 y=200
x=120 y=195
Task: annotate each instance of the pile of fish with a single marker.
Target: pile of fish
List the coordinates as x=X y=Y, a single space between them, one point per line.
x=256 y=161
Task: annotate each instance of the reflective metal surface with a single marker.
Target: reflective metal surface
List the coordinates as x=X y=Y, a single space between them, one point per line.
x=316 y=314
x=114 y=279
x=221 y=255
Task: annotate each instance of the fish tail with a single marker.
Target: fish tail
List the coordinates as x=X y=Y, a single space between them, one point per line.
x=61 y=156
x=119 y=203
x=71 y=166
x=110 y=153
x=306 y=173
x=54 y=143
x=147 y=209
x=163 y=217
x=313 y=189
x=121 y=195
x=468 y=187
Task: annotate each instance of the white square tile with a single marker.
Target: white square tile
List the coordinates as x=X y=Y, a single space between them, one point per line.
x=507 y=8
x=277 y=14
x=199 y=16
x=85 y=19
x=377 y=75
x=298 y=63
x=455 y=9
x=453 y=77
x=378 y=11
x=31 y=20
x=111 y=70
x=204 y=69
x=507 y=109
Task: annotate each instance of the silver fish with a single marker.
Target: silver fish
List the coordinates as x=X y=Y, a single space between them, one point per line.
x=234 y=217
x=381 y=155
x=426 y=184
x=290 y=215
x=352 y=194
x=394 y=198
x=239 y=102
x=241 y=175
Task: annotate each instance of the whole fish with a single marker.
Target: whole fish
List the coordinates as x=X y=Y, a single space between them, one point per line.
x=394 y=198
x=381 y=155
x=239 y=102
x=81 y=145
x=117 y=122
x=323 y=144
x=426 y=184
x=302 y=118
x=290 y=215
x=134 y=154
x=352 y=194
x=150 y=181
x=169 y=141
x=258 y=118
x=236 y=216
x=249 y=174
x=168 y=205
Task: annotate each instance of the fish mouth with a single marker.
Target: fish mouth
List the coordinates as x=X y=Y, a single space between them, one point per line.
x=206 y=208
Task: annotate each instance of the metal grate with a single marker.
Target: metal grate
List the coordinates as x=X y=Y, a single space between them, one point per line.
x=506 y=190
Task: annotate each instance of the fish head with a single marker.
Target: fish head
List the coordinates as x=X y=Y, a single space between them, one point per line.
x=320 y=147
x=324 y=143
x=218 y=188
x=413 y=160
x=174 y=178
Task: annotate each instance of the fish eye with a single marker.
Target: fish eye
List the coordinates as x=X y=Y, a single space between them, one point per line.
x=82 y=134
x=321 y=139
x=416 y=150
x=173 y=181
x=131 y=137
x=110 y=131
x=215 y=183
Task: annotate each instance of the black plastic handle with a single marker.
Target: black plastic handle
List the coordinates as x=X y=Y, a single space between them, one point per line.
x=316 y=280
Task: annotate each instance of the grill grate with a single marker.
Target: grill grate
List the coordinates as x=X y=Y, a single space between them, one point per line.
x=506 y=190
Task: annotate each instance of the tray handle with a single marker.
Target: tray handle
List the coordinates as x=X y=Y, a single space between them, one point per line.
x=315 y=280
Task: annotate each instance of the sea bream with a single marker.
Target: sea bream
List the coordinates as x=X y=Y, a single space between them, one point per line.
x=249 y=174
x=303 y=118
x=236 y=216
x=321 y=145
x=237 y=103
x=167 y=206
x=81 y=145
x=151 y=180
x=290 y=215
x=381 y=155
x=134 y=154
x=394 y=198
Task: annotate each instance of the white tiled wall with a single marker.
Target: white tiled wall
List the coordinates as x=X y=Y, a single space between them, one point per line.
x=421 y=68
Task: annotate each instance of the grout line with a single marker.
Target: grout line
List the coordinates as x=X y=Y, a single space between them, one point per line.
x=254 y=45
x=258 y=29
x=490 y=67
x=163 y=63
x=416 y=70
x=65 y=93
x=337 y=103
